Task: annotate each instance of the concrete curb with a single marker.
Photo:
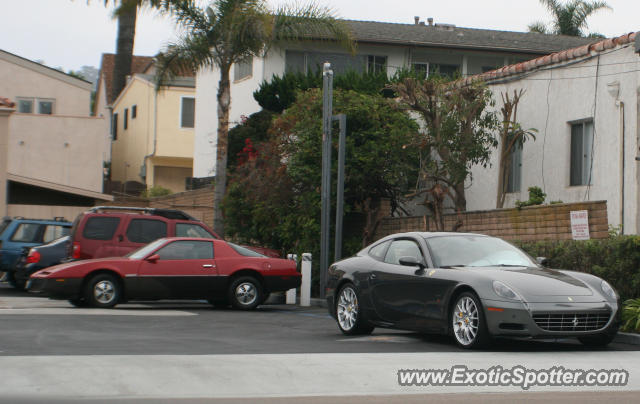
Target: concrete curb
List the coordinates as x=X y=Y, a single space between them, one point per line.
x=627 y=338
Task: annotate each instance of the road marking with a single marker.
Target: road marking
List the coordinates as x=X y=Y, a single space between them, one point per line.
x=271 y=375
x=95 y=312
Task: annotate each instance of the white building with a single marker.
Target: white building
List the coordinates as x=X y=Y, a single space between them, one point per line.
x=585 y=104
x=381 y=47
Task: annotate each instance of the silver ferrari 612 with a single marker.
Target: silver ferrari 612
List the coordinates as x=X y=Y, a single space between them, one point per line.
x=471 y=286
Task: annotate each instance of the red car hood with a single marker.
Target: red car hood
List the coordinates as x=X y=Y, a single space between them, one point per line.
x=75 y=264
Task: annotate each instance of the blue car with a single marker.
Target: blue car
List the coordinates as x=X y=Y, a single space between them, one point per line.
x=40 y=257
x=19 y=233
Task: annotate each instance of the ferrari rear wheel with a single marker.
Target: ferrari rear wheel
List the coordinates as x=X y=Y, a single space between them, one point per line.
x=349 y=315
x=103 y=291
x=468 y=322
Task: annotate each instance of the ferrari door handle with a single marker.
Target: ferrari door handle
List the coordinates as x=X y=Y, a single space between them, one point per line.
x=207 y=266
x=373 y=276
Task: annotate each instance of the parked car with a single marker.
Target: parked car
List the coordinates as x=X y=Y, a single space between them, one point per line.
x=18 y=233
x=40 y=257
x=115 y=231
x=171 y=268
x=471 y=286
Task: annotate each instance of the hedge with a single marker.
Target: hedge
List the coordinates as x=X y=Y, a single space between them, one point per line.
x=616 y=259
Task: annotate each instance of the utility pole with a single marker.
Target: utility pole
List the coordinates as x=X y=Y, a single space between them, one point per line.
x=327 y=109
x=342 y=121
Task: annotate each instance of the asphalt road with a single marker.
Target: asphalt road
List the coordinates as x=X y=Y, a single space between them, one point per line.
x=190 y=352
x=39 y=326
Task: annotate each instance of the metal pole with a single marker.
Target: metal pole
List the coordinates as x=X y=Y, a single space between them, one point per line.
x=327 y=108
x=342 y=120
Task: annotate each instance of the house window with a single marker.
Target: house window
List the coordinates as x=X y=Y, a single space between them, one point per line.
x=376 y=64
x=25 y=105
x=126 y=118
x=444 y=69
x=134 y=111
x=45 y=107
x=515 y=170
x=187 y=112
x=421 y=69
x=114 y=127
x=243 y=69
x=581 y=151
x=302 y=62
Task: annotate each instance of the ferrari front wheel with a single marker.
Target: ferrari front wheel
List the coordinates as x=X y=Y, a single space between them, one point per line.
x=468 y=323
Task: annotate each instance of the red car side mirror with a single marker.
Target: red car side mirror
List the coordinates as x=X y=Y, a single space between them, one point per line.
x=152 y=259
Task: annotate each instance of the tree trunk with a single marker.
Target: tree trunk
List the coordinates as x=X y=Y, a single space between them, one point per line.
x=124 y=50
x=501 y=177
x=224 y=103
x=460 y=199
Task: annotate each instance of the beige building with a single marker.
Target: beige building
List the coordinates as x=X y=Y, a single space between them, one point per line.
x=153 y=132
x=55 y=149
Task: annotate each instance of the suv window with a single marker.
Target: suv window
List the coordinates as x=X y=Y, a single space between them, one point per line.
x=192 y=230
x=52 y=232
x=100 y=228
x=26 y=233
x=378 y=251
x=187 y=250
x=402 y=248
x=3 y=225
x=146 y=230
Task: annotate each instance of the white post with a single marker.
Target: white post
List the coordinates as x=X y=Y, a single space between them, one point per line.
x=305 y=287
x=291 y=293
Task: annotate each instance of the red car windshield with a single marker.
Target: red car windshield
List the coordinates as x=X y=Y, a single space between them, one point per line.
x=142 y=252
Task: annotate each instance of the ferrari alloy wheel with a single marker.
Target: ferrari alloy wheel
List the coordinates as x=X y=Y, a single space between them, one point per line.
x=102 y=290
x=467 y=320
x=245 y=293
x=350 y=318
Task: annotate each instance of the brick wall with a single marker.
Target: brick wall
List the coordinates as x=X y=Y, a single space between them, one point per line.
x=545 y=222
x=198 y=203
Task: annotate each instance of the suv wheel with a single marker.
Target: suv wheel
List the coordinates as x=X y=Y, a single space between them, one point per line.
x=102 y=290
x=245 y=293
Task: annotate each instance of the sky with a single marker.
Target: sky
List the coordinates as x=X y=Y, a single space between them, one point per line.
x=72 y=33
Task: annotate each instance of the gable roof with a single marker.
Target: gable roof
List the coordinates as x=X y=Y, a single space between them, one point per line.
x=138 y=65
x=450 y=36
x=43 y=69
x=551 y=59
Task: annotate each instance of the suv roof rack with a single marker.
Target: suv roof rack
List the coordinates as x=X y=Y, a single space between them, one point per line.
x=166 y=213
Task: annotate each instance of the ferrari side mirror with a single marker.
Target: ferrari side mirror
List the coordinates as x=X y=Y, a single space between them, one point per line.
x=542 y=261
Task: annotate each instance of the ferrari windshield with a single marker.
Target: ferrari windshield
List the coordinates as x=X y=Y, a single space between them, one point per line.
x=475 y=251
x=142 y=252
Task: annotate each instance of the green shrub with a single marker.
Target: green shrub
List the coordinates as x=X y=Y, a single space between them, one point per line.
x=631 y=315
x=616 y=259
x=536 y=197
x=155 y=192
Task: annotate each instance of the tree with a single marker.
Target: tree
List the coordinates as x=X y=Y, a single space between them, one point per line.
x=126 y=12
x=569 y=18
x=458 y=133
x=274 y=198
x=512 y=135
x=228 y=32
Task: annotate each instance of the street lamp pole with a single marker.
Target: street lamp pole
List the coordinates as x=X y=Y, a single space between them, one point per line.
x=327 y=108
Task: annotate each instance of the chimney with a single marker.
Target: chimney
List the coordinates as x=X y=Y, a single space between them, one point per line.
x=430 y=20
x=417 y=19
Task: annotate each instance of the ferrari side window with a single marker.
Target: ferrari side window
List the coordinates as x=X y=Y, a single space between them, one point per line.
x=378 y=251
x=400 y=249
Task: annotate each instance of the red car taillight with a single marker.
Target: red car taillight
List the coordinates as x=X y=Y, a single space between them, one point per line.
x=76 y=251
x=33 y=257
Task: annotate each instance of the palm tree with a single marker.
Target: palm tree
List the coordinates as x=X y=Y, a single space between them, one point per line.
x=126 y=11
x=228 y=32
x=569 y=18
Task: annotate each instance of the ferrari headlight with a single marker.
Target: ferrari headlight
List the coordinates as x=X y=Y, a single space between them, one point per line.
x=608 y=290
x=503 y=290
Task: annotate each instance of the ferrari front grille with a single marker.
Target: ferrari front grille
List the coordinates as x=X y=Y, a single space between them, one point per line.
x=572 y=321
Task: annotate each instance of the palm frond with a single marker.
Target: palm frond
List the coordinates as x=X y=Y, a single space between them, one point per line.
x=189 y=55
x=584 y=9
x=539 y=27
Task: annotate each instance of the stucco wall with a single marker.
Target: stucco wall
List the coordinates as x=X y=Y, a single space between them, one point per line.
x=64 y=150
x=72 y=96
x=552 y=100
x=157 y=113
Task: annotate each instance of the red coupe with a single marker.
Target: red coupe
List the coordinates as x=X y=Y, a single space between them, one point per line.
x=171 y=268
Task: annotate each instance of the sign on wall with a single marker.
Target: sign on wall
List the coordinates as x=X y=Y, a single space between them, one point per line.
x=580 y=224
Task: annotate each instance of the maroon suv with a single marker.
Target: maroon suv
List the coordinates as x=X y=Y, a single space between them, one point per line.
x=115 y=231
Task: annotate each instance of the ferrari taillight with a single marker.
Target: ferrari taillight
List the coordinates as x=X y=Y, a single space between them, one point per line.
x=33 y=257
x=76 y=251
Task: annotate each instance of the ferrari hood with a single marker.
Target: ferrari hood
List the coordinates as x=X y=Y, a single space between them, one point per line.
x=531 y=282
